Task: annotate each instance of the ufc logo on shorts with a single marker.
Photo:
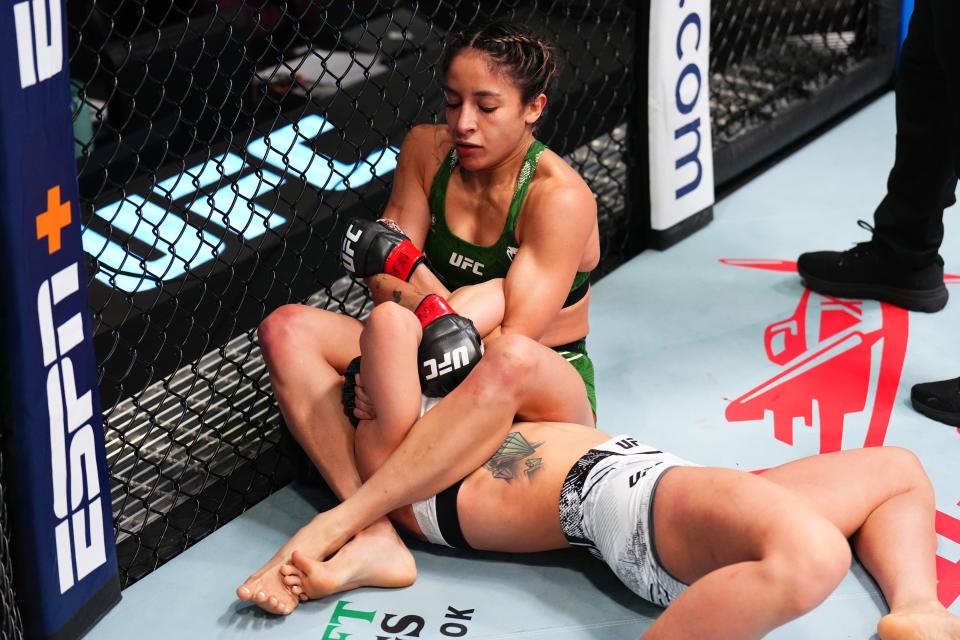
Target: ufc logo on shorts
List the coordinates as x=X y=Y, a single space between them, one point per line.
x=627 y=443
x=467 y=264
x=73 y=460
x=452 y=360
x=39 y=41
x=346 y=248
x=640 y=475
x=637 y=477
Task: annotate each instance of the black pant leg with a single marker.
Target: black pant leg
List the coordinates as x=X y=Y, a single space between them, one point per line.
x=946 y=37
x=909 y=221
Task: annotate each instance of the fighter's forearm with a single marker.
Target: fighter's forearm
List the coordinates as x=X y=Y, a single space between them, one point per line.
x=386 y=288
x=426 y=280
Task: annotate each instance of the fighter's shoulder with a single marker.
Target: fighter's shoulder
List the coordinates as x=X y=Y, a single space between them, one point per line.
x=426 y=145
x=554 y=173
x=556 y=183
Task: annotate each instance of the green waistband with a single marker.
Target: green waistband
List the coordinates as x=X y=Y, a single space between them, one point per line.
x=577 y=346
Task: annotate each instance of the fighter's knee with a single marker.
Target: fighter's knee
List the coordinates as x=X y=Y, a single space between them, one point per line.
x=905 y=464
x=810 y=566
x=390 y=317
x=512 y=356
x=900 y=459
x=504 y=368
x=279 y=328
x=514 y=350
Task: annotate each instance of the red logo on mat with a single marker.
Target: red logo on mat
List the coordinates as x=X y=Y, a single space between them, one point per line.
x=825 y=352
x=948 y=573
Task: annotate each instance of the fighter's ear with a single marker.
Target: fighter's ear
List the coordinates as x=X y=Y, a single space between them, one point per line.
x=534 y=109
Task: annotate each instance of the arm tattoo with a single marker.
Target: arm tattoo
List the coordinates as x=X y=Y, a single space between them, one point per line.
x=397 y=296
x=513 y=458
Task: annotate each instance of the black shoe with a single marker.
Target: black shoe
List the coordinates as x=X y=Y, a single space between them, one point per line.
x=938 y=400
x=869 y=271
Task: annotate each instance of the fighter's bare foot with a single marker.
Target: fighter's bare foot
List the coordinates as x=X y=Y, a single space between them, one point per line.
x=266 y=587
x=929 y=621
x=369 y=560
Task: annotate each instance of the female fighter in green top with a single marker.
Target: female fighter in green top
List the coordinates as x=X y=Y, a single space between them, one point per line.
x=485 y=200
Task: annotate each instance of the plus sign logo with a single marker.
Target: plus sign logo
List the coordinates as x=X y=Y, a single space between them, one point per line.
x=52 y=222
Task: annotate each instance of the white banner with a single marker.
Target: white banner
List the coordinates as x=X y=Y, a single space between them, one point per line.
x=681 y=151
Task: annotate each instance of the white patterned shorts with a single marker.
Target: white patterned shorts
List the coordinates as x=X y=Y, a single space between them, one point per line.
x=606 y=506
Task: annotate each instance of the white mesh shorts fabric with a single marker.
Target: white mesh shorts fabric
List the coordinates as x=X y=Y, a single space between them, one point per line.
x=425 y=511
x=608 y=509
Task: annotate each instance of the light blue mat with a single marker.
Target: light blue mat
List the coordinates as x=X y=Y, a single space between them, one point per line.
x=720 y=362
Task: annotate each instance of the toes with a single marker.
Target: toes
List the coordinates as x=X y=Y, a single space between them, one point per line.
x=296 y=590
x=292 y=581
x=301 y=563
x=244 y=593
x=282 y=607
x=288 y=604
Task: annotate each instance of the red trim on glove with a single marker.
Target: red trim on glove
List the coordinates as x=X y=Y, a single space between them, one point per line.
x=403 y=260
x=431 y=308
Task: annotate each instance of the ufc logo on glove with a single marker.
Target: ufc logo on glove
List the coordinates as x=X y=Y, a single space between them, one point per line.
x=347 y=247
x=452 y=360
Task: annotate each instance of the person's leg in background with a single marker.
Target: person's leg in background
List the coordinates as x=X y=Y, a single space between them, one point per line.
x=909 y=221
x=940 y=400
x=901 y=264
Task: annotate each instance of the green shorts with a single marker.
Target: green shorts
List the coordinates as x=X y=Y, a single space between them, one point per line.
x=576 y=354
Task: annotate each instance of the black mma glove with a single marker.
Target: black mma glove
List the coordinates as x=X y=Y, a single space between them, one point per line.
x=449 y=350
x=369 y=248
x=348 y=397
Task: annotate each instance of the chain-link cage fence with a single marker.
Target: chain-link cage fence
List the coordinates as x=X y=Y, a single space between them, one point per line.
x=220 y=146
x=781 y=68
x=11 y=626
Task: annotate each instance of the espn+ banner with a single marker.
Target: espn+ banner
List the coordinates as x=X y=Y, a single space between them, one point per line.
x=65 y=568
x=681 y=148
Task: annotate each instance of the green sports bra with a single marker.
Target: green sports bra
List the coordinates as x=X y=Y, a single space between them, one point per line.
x=458 y=262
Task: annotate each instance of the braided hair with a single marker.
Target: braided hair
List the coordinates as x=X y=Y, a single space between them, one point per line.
x=529 y=59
